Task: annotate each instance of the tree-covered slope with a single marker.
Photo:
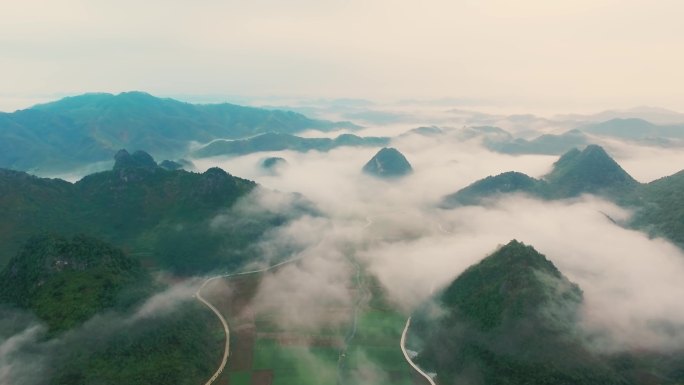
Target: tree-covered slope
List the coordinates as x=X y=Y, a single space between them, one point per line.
x=82 y=129
x=65 y=281
x=660 y=207
x=273 y=141
x=548 y=144
x=90 y=295
x=634 y=129
x=590 y=171
x=167 y=217
x=510 y=319
x=491 y=186
x=388 y=163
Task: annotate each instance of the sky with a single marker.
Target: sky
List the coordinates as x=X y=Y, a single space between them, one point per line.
x=581 y=55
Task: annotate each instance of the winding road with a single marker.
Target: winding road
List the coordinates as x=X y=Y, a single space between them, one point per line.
x=408 y=359
x=226 y=330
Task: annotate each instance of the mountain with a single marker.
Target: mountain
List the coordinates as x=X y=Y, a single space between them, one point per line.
x=652 y=114
x=510 y=319
x=491 y=186
x=424 y=131
x=89 y=294
x=273 y=141
x=577 y=172
x=547 y=144
x=388 y=163
x=660 y=207
x=589 y=171
x=634 y=129
x=91 y=127
x=166 y=217
x=65 y=281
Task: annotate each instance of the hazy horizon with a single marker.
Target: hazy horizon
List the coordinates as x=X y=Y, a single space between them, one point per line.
x=584 y=56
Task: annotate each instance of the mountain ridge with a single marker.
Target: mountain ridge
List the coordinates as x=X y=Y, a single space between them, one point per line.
x=88 y=128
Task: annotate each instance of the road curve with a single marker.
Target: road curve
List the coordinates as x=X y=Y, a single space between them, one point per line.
x=408 y=359
x=226 y=348
x=226 y=330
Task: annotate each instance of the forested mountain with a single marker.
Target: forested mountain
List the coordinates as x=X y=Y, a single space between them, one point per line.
x=273 y=141
x=513 y=319
x=388 y=163
x=88 y=128
x=65 y=281
x=548 y=144
x=590 y=171
x=634 y=129
x=88 y=294
x=164 y=215
x=658 y=205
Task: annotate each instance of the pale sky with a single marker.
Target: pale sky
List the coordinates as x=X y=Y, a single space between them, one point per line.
x=564 y=55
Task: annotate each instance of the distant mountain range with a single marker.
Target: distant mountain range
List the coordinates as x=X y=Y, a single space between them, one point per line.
x=164 y=216
x=652 y=114
x=514 y=318
x=272 y=141
x=590 y=171
x=633 y=130
x=89 y=128
x=659 y=205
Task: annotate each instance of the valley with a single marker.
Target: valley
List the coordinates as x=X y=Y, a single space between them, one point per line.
x=378 y=257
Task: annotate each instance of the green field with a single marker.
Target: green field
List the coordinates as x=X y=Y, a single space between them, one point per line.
x=264 y=352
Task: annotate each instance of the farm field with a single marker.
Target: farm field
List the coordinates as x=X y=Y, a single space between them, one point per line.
x=360 y=346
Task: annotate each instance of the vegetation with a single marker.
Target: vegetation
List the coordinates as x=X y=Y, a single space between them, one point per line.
x=589 y=171
x=508 y=182
x=176 y=348
x=67 y=281
x=273 y=162
x=634 y=129
x=577 y=172
x=510 y=319
x=548 y=144
x=168 y=218
x=388 y=163
x=273 y=141
x=89 y=128
x=513 y=319
x=658 y=205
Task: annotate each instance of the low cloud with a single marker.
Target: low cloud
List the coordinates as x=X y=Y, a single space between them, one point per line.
x=631 y=282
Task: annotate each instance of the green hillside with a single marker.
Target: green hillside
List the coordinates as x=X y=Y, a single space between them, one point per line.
x=590 y=171
x=510 y=319
x=388 y=163
x=273 y=141
x=163 y=216
x=658 y=206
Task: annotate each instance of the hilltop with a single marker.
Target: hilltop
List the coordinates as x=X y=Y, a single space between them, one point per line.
x=510 y=319
x=388 y=163
x=590 y=171
x=658 y=205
